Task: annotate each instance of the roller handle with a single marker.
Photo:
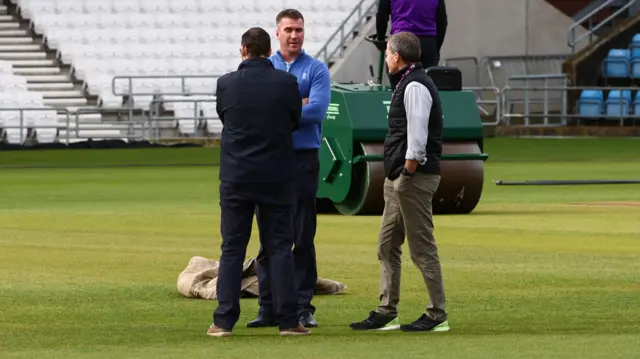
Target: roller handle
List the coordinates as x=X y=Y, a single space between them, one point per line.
x=381 y=46
x=335 y=162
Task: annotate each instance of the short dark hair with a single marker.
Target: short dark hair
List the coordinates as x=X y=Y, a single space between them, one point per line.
x=257 y=41
x=290 y=14
x=407 y=45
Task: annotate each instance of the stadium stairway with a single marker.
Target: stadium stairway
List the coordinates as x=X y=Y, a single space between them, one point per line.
x=30 y=59
x=45 y=74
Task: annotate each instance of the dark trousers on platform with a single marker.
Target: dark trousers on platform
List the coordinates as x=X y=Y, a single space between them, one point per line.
x=238 y=202
x=305 y=189
x=429 y=52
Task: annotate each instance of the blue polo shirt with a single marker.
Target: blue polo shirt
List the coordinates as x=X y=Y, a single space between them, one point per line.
x=314 y=83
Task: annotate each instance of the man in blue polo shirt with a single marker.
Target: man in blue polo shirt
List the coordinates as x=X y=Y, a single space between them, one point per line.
x=314 y=84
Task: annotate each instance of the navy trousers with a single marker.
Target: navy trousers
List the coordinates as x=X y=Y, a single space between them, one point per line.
x=304 y=231
x=238 y=202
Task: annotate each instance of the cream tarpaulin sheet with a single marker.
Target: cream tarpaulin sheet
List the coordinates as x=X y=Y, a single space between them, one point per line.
x=199 y=279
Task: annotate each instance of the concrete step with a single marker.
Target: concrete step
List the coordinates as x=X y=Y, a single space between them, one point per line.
x=23 y=55
x=73 y=126
x=65 y=102
x=13 y=33
x=5 y=17
x=9 y=25
x=3 y=9
x=54 y=86
x=70 y=140
x=61 y=93
x=80 y=108
x=15 y=40
x=47 y=78
x=20 y=47
x=34 y=63
x=36 y=70
x=84 y=118
x=95 y=134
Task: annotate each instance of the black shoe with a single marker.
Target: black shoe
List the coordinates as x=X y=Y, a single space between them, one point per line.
x=262 y=322
x=426 y=324
x=377 y=321
x=307 y=320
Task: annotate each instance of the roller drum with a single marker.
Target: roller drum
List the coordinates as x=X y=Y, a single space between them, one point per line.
x=461 y=183
x=367 y=183
x=459 y=191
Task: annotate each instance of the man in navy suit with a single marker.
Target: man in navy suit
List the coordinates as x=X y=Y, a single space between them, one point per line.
x=260 y=108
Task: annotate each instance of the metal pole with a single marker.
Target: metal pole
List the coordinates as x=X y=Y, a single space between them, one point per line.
x=563 y=182
x=380 y=67
x=526 y=30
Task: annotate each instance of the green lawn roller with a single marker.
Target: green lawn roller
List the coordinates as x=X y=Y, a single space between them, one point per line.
x=351 y=169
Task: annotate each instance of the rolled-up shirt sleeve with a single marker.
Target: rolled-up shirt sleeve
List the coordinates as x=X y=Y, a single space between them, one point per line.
x=417 y=104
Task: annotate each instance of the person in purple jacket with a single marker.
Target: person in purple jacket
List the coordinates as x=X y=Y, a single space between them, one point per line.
x=427 y=19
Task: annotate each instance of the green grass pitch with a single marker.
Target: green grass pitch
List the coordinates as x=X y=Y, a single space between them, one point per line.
x=89 y=259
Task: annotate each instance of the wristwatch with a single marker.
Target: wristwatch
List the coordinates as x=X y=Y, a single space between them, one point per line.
x=406 y=172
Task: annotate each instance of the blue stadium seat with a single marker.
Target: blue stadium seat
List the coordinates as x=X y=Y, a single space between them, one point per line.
x=616 y=64
x=618 y=103
x=634 y=48
x=590 y=103
x=636 y=104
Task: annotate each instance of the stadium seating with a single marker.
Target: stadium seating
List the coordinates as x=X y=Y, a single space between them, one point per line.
x=14 y=94
x=618 y=64
x=635 y=56
x=618 y=103
x=103 y=39
x=591 y=103
x=623 y=63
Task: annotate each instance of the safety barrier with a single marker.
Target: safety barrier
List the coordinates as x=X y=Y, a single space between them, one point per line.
x=21 y=127
x=192 y=115
x=487 y=107
x=573 y=40
x=499 y=69
x=335 y=44
x=619 y=109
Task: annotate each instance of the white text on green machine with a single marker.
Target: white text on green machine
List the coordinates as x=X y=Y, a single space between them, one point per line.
x=333 y=111
x=387 y=104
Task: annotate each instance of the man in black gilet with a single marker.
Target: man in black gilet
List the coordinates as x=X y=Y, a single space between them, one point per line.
x=412 y=150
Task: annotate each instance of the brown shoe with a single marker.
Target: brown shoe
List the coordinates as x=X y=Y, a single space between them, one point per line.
x=218 y=332
x=299 y=330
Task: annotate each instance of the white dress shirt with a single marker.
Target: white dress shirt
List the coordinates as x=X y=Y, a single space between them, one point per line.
x=417 y=105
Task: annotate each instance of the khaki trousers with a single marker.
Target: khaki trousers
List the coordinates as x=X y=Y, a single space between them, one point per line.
x=408 y=211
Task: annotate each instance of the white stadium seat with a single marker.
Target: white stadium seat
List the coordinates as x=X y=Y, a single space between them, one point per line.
x=102 y=39
x=13 y=96
x=44 y=124
x=12 y=131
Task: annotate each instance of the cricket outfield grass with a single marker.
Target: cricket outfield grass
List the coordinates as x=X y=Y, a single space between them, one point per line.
x=89 y=259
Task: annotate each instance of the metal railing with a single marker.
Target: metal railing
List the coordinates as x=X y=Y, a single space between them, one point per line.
x=333 y=47
x=24 y=129
x=574 y=40
x=528 y=100
x=608 y=110
x=487 y=107
x=196 y=120
x=500 y=68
